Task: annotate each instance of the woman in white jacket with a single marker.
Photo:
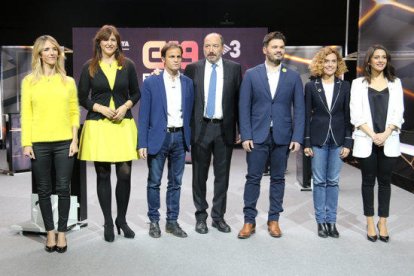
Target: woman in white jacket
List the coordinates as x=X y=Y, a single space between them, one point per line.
x=377 y=109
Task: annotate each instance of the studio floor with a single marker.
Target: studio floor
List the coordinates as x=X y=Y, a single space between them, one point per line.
x=299 y=252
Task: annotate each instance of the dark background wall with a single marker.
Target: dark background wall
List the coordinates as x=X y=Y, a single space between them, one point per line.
x=319 y=22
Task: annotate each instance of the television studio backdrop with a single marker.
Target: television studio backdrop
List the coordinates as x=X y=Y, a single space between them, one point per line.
x=390 y=23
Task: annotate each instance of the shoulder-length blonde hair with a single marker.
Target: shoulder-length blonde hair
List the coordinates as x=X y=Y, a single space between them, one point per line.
x=103 y=34
x=316 y=66
x=37 y=64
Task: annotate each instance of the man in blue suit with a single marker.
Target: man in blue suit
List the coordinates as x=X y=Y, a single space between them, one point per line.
x=164 y=133
x=267 y=94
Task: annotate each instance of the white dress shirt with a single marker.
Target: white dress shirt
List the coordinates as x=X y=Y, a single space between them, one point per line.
x=273 y=75
x=218 y=110
x=173 y=93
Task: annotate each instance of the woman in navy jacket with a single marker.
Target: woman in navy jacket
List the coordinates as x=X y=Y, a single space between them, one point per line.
x=327 y=134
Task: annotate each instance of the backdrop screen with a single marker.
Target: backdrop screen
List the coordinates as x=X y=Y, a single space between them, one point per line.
x=143 y=46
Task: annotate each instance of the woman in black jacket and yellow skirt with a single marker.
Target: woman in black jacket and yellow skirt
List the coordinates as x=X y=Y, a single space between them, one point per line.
x=108 y=89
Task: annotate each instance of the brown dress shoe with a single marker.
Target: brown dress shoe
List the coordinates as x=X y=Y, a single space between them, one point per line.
x=247 y=230
x=273 y=228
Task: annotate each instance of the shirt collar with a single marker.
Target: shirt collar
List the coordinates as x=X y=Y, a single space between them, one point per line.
x=219 y=63
x=272 y=69
x=171 y=77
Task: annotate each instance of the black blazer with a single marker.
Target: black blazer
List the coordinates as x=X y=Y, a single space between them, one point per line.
x=231 y=84
x=125 y=88
x=320 y=120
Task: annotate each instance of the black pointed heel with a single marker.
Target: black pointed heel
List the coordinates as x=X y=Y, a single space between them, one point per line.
x=50 y=249
x=371 y=238
x=383 y=238
x=128 y=233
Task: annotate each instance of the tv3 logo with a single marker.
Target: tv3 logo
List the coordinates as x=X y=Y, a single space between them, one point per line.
x=151 y=52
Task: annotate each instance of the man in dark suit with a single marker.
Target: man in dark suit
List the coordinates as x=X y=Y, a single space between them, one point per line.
x=217 y=82
x=164 y=133
x=267 y=94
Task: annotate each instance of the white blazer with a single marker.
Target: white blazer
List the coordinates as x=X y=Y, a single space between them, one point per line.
x=361 y=114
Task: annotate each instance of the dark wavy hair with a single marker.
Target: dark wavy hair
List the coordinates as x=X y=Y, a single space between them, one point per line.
x=103 y=34
x=389 y=71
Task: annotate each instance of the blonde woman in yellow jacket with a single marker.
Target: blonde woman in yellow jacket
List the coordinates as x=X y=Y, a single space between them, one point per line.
x=50 y=122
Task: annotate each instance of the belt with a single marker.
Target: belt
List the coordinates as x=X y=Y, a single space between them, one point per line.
x=174 y=129
x=214 y=121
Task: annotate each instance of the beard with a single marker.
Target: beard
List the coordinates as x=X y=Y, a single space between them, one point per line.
x=274 y=60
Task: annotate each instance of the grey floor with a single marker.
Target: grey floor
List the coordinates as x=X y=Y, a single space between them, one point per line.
x=299 y=252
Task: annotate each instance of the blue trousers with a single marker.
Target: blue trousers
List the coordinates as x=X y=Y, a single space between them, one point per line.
x=172 y=149
x=326 y=167
x=256 y=163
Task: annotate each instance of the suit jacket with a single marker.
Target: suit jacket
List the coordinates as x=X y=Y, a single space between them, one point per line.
x=231 y=84
x=257 y=108
x=320 y=120
x=361 y=114
x=125 y=88
x=152 y=120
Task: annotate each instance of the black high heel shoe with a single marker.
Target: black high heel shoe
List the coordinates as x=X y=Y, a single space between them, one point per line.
x=50 y=249
x=371 y=238
x=62 y=249
x=109 y=232
x=383 y=238
x=128 y=233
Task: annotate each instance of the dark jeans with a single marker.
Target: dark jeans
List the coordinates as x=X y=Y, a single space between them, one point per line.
x=256 y=162
x=211 y=143
x=58 y=153
x=172 y=149
x=377 y=166
x=122 y=191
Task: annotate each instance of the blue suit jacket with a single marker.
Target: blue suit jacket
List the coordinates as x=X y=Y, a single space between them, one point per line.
x=320 y=120
x=152 y=119
x=257 y=108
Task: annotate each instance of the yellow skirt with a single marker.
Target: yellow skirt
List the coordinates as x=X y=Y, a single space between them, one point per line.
x=107 y=141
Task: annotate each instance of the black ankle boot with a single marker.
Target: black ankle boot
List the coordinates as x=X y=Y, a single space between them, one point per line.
x=332 y=231
x=322 y=232
x=109 y=232
x=128 y=233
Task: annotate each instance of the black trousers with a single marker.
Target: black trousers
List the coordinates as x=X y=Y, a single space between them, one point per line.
x=122 y=191
x=46 y=154
x=210 y=144
x=377 y=166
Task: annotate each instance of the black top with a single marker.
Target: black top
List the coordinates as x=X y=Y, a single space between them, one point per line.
x=97 y=89
x=378 y=102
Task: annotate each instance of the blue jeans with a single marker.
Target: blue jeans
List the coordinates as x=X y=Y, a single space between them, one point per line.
x=256 y=163
x=172 y=149
x=326 y=166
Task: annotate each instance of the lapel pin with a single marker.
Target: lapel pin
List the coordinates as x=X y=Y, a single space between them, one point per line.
x=319 y=90
x=284 y=70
